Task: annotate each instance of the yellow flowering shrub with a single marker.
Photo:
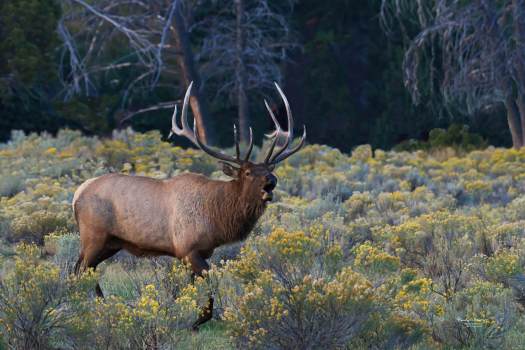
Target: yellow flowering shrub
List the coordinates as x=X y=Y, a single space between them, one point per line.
x=502 y=265
x=362 y=153
x=295 y=287
x=423 y=237
x=271 y=313
x=373 y=259
x=506 y=235
x=291 y=244
x=40 y=308
x=38 y=211
x=478 y=189
x=414 y=296
x=159 y=315
x=359 y=204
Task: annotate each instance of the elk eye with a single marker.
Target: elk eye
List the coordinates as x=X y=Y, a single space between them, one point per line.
x=248 y=173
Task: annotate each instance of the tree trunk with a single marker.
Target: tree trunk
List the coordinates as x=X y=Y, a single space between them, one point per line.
x=186 y=63
x=240 y=74
x=513 y=119
x=520 y=102
x=519 y=34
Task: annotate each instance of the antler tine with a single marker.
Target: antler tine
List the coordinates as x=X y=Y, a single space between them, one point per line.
x=289 y=152
x=185 y=130
x=193 y=135
x=288 y=111
x=275 y=121
x=208 y=150
x=275 y=134
x=236 y=140
x=250 y=147
x=270 y=151
x=289 y=134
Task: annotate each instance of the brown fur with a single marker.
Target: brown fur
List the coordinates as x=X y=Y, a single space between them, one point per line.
x=187 y=216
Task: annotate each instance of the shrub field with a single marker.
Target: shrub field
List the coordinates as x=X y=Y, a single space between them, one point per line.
x=372 y=250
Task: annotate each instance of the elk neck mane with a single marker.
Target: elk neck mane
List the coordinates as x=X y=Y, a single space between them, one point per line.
x=233 y=210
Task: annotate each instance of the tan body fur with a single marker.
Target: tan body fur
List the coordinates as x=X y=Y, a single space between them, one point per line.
x=175 y=217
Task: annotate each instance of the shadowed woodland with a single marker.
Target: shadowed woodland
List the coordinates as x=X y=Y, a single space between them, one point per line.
x=377 y=72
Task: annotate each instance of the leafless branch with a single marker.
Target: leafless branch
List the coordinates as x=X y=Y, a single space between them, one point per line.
x=474 y=43
x=92 y=34
x=159 y=106
x=268 y=39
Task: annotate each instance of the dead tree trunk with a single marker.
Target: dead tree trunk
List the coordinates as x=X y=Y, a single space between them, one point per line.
x=520 y=103
x=519 y=33
x=189 y=73
x=513 y=118
x=240 y=73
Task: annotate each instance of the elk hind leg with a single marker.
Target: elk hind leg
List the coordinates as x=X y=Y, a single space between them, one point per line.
x=199 y=265
x=91 y=257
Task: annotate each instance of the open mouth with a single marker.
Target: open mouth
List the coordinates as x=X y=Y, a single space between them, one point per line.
x=267 y=191
x=267 y=196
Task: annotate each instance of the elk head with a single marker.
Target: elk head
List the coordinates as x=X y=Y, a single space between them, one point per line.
x=255 y=179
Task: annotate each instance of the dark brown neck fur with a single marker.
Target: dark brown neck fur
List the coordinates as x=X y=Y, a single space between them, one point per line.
x=234 y=212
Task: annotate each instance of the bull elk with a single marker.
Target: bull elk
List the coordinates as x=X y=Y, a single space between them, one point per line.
x=186 y=216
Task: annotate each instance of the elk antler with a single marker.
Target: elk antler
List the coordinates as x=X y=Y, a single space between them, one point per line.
x=193 y=135
x=185 y=130
x=284 y=152
x=270 y=159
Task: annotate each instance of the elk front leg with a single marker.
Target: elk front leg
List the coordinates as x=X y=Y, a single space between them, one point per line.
x=199 y=265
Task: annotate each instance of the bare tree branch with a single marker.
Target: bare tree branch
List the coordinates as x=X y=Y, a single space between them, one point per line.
x=477 y=46
x=133 y=45
x=162 y=105
x=244 y=44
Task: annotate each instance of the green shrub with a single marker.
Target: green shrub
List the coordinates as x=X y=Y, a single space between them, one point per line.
x=152 y=321
x=38 y=308
x=478 y=317
x=10 y=185
x=64 y=247
x=456 y=136
x=161 y=307
x=36 y=225
x=44 y=307
x=296 y=294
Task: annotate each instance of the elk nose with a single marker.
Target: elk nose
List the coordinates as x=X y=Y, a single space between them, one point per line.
x=271 y=182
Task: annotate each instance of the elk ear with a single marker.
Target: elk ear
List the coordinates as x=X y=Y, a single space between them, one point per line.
x=229 y=170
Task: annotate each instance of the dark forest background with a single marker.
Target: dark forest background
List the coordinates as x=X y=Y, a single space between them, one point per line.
x=341 y=72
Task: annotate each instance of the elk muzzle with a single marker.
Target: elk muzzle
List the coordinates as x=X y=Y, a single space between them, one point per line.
x=271 y=182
